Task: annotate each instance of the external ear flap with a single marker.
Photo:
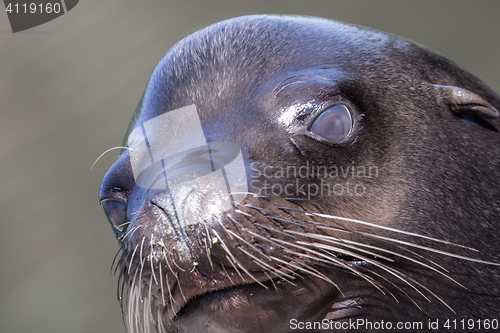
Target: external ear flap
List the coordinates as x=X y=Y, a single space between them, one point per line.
x=464 y=101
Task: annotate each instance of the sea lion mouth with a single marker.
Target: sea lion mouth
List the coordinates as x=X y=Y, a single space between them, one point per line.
x=237 y=307
x=262 y=285
x=232 y=261
x=173 y=297
x=273 y=300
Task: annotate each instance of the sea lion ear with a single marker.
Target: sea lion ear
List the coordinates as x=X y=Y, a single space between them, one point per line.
x=464 y=101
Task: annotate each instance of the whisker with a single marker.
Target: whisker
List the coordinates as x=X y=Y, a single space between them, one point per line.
x=151 y=259
x=423 y=258
x=430 y=249
x=432 y=293
x=172 y=300
x=290 y=221
x=129 y=233
x=224 y=246
x=242 y=212
x=256 y=235
x=107 y=151
x=339 y=241
x=142 y=265
x=306 y=270
x=132 y=259
x=161 y=286
x=226 y=274
x=272 y=281
x=250 y=245
x=391 y=283
x=391 y=271
x=175 y=275
x=330 y=260
x=229 y=255
x=268 y=267
x=178 y=267
x=149 y=297
x=122 y=279
x=159 y=324
x=208 y=247
x=291 y=272
x=377 y=226
x=259 y=208
x=123 y=224
x=121 y=253
x=273 y=230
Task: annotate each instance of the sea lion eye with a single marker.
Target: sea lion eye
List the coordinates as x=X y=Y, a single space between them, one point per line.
x=334 y=124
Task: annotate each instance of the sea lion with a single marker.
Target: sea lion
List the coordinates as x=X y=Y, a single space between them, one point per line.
x=299 y=174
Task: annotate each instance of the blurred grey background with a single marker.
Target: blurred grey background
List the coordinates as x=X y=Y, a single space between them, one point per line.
x=68 y=89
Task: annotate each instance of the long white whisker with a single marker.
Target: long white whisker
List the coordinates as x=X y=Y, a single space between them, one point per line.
x=308 y=271
x=430 y=249
x=330 y=259
x=132 y=259
x=142 y=265
x=107 y=151
x=391 y=271
x=151 y=259
x=340 y=242
x=433 y=294
x=226 y=274
x=172 y=300
x=337 y=241
x=268 y=267
x=161 y=286
x=333 y=217
x=208 y=246
x=224 y=246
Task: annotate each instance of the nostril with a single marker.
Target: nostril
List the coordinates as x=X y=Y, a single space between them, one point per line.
x=116 y=211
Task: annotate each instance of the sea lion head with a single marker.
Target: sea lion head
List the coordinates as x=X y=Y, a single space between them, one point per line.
x=285 y=168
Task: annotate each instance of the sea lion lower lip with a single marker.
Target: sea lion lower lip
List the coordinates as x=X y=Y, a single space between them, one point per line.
x=178 y=285
x=251 y=300
x=221 y=295
x=178 y=301
x=234 y=296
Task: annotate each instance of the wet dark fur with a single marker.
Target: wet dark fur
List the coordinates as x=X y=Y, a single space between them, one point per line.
x=439 y=176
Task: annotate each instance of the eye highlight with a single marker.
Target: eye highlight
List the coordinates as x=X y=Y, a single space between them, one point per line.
x=334 y=124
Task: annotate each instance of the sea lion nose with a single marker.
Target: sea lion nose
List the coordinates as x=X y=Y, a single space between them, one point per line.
x=113 y=194
x=116 y=212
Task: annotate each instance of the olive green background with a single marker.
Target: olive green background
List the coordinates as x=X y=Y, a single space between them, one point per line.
x=67 y=91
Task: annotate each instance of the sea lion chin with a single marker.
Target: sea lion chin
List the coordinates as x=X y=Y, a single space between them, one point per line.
x=286 y=173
